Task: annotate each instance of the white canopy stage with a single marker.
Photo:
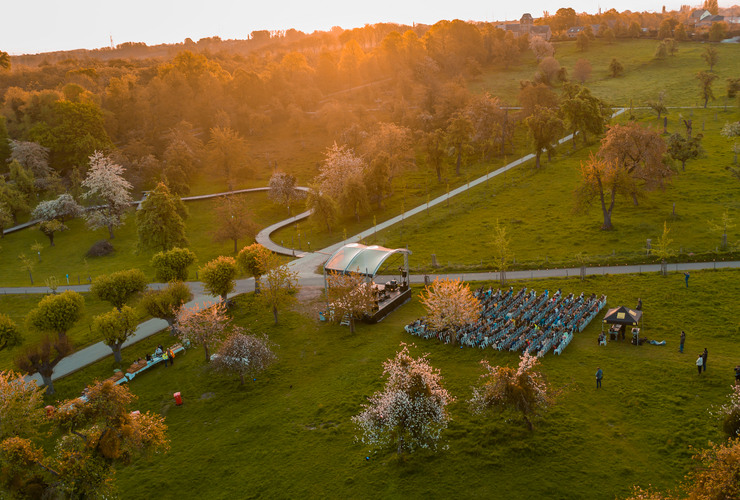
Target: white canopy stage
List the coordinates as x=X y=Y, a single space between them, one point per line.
x=367 y=261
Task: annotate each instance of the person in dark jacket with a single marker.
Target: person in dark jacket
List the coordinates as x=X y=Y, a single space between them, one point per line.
x=599 y=376
x=704 y=360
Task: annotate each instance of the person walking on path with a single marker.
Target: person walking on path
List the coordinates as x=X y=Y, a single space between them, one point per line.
x=686 y=276
x=704 y=360
x=699 y=363
x=599 y=376
x=683 y=339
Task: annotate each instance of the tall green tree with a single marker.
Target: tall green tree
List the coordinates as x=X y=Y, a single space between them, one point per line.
x=544 y=127
x=115 y=327
x=705 y=86
x=57 y=313
x=218 y=276
x=119 y=287
x=682 y=149
x=585 y=113
x=250 y=260
x=159 y=221
x=173 y=264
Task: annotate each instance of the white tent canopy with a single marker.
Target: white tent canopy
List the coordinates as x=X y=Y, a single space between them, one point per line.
x=362 y=259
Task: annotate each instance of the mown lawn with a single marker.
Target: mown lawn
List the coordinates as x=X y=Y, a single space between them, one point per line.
x=68 y=254
x=538 y=209
x=288 y=434
x=81 y=334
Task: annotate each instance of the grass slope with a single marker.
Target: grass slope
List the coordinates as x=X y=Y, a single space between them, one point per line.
x=538 y=209
x=288 y=434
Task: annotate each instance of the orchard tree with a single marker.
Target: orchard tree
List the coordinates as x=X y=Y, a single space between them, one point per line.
x=43 y=357
x=434 y=148
x=160 y=222
x=584 y=113
x=582 y=70
x=324 y=208
x=234 y=220
x=21 y=404
x=283 y=190
x=203 y=326
x=51 y=227
x=109 y=190
x=10 y=335
x=115 y=327
x=340 y=163
x=521 y=390
x=729 y=413
x=33 y=156
x=582 y=41
x=725 y=223
x=243 y=354
x=501 y=246
x=63 y=208
x=615 y=68
x=603 y=179
x=705 y=86
x=250 y=260
x=278 y=283
x=411 y=410
x=662 y=249
x=683 y=149
x=657 y=105
x=640 y=152
x=227 y=152
x=119 y=287
x=218 y=276
x=544 y=129
x=350 y=296
x=57 y=313
x=166 y=303
x=541 y=48
x=6 y=218
x=91 y=438
x=458 y=136
x=449 y=305
x=172 y=265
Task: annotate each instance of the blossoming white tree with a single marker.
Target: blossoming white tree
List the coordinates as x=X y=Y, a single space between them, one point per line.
x=504 y=388
x=203 y=326
x=62 y=208
x=341 y=164
x=350 y=295
x=411 y=410
x=729 y=413
x=449 y=304
x=105 y=183
x=243 y=354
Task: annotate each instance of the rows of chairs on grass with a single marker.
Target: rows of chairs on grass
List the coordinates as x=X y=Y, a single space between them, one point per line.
x=520 y=321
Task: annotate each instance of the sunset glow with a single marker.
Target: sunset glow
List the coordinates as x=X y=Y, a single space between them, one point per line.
x=90 y=24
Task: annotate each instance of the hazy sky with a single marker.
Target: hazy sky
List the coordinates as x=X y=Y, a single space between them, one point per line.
x=30 y=26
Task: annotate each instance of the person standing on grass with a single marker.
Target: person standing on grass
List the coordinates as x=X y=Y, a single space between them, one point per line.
x=699 y=363
x=683 y=339
x=599 y=376
x=704 y=360
x=171 y=356
x=686 y=276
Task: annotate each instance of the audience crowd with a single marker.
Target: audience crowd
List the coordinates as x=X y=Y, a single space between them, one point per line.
x=522 y=321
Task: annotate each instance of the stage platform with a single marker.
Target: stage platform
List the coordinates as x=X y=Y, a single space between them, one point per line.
x=392 y=301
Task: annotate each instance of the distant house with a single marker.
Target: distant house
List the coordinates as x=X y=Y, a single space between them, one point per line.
x=698 y=15
x=573 y=32
x=526 y=26
x=709 y=20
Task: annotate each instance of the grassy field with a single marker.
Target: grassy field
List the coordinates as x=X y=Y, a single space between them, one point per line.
x=81 y=334
x=288 y=434
x=538 y=209
x=68 y=254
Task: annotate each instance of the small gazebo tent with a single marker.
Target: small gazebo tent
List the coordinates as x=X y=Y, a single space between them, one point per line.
x=623 y=316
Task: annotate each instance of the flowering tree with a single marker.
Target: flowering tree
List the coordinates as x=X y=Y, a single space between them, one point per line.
x=341 y=163
x=20 y=405
x=115 y=327
x=282 y=189
x=243 y=354
x=105 y=183
x=541 y=48
x=92 y=437
x=203 y=326
x=449 y=304
x=351 y=296
x=166 y=303
x=523 y=390
x=278 y=283
x=729 y=413
x=63 y=208
x=411 y=410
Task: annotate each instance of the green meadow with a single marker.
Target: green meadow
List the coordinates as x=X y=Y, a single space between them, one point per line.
x=288 y=433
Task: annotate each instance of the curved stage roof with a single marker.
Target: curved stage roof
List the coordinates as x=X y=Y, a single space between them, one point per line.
x=359 y=258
